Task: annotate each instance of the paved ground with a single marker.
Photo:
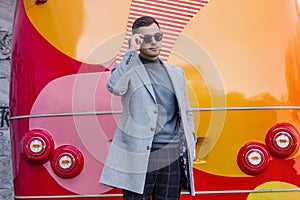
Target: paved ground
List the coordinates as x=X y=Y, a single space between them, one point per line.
x=6 y=19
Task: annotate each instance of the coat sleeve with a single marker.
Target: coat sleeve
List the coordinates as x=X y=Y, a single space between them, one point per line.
x=121 y=73
x=190 y=120
x=189 y=113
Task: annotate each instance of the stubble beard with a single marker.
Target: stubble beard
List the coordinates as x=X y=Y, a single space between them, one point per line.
x=148 y=53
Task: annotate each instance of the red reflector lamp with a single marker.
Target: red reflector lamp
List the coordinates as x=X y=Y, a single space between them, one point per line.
x=38 y=145
x=282 y=140
x=67 y=161
x=253 y=158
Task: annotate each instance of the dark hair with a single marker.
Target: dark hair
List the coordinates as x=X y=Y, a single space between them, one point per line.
x=143 y=21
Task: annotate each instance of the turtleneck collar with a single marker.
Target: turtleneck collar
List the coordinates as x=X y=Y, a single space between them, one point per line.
x=147 y=61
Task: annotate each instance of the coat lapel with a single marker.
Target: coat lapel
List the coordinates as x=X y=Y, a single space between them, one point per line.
x=176 y=80
x=175 y=76
x=143 y=75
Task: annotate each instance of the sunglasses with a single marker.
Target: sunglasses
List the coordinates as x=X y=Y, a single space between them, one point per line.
x=157 y=37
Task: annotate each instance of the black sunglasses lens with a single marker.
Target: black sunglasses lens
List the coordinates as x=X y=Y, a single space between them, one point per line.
x=147 y=38
x=158 y=36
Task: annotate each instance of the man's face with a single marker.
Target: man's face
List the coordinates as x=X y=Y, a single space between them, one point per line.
x=151 y=49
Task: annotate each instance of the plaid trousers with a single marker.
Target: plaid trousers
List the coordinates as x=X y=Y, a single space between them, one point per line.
x=163 y=178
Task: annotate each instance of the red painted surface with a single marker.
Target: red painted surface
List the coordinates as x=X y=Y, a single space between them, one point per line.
x=37 y=64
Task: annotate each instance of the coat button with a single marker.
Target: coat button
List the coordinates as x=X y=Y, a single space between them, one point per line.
x=152 y=129
x=123 y=90
x=155 y=111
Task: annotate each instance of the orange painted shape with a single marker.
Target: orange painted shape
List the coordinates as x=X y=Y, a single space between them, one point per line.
x=78 y=28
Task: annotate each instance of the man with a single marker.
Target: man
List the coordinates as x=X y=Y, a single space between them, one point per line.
x=144 y=155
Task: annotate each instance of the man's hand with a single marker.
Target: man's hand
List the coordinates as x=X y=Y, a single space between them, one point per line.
x=135 y=42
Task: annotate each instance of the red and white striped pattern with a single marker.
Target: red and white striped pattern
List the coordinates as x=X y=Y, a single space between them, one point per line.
x=172 y=16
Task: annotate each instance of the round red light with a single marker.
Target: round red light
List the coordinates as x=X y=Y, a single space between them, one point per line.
x=67 y=161
x=282 y=140
x=38 y=145
x=253 y=158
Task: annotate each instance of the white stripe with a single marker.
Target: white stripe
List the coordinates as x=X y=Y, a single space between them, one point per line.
x=183 y=193
x=182 y=19
x=193 y=109
x=248 y=191
x=168 y=6
x=247 y=108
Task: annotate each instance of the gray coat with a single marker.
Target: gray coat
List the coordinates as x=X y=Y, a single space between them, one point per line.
x=126 y=164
